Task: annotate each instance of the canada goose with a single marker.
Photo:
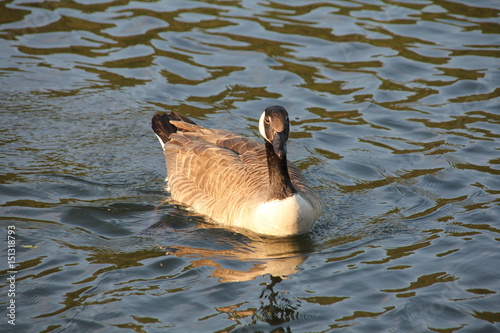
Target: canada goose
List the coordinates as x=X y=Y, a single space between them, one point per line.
x=237 y=181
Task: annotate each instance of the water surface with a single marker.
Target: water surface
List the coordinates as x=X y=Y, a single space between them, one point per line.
x=395 y=122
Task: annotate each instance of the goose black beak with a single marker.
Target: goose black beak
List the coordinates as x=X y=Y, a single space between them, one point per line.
x=279 y=144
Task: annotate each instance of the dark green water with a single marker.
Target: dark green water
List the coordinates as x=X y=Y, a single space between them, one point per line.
x=395 y=113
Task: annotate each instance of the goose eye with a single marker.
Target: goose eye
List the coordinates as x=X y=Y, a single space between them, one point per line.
x=266 y=120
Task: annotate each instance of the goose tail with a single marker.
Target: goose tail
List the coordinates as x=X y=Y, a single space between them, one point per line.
x=162 y=126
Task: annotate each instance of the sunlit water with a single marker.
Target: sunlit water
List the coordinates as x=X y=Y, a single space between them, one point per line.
x=396 y=122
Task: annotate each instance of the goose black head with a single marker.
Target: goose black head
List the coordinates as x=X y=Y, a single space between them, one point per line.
x=274 y=126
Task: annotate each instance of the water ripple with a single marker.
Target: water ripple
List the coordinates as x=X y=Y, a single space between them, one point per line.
x=394 y=108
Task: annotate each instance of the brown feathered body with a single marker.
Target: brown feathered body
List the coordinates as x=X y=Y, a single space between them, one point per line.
x=225 y=177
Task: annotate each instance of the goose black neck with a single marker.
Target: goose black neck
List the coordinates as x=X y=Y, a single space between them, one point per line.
x=279 y=180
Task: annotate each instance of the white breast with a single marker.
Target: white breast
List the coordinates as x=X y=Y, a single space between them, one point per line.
x=291 y=216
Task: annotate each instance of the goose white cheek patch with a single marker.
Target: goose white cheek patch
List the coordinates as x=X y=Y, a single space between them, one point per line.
x=261 y=126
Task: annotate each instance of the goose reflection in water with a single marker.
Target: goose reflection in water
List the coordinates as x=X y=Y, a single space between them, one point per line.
x=276 y=308
x=238 y=257
x=233 y=252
